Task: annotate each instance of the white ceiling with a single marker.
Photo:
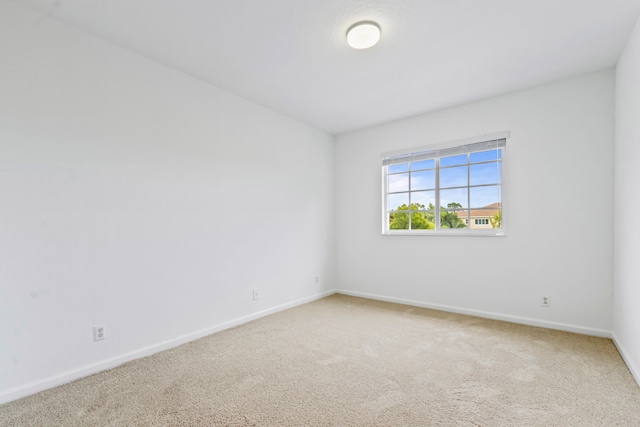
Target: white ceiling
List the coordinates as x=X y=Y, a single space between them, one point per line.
x=291 y=55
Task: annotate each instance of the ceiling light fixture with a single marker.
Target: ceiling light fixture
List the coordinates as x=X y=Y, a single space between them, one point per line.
x=363 y=35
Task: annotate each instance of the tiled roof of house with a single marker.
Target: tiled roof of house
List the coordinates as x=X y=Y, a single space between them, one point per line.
x=487 y=211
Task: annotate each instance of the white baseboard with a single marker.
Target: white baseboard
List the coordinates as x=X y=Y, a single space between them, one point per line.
x=15 y=393
x=489 y=315
x=632 y=368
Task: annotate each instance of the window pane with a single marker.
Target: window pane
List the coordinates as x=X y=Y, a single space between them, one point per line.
x=398 y=200
x=453 y=198
x=398 y=182
x=424 y=198
x=485 y=156
x=485 y=196
x=422 y=221
x=464 y=216
x=460 y=159
x=424 y=180
x=398 y=221
x=424 y=164
x=453 y=177
x=452 y=219
x=486 y=218
x=485 y=173
x=400 y=167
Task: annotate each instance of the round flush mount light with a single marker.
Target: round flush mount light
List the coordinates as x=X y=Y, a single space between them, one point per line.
x=363 y=35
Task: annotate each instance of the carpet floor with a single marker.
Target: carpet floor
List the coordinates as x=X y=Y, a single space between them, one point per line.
x=345 y=361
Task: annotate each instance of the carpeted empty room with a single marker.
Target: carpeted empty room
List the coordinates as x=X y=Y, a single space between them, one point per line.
x=351 y=361
x=319 y=213
x=345 y=361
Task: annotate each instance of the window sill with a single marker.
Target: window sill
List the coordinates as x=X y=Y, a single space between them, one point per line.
x=449 y=232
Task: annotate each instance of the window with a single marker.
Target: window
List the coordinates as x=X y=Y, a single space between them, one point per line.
x=452 y=188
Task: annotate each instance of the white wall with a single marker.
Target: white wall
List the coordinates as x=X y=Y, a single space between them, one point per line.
x=139 y=198
x=558 y=203
x=626 y=327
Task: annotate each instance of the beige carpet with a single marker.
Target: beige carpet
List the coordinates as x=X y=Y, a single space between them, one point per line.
x=344 y=361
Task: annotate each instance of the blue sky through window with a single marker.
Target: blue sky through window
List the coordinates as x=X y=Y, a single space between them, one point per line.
x=477 y=173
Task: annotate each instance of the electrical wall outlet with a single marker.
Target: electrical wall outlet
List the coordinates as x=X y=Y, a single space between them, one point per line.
x=317 y=280
x=545 y=301
x=99 y=333
x=256 y=294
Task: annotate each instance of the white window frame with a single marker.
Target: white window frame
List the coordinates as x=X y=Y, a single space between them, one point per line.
x=436 y=151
